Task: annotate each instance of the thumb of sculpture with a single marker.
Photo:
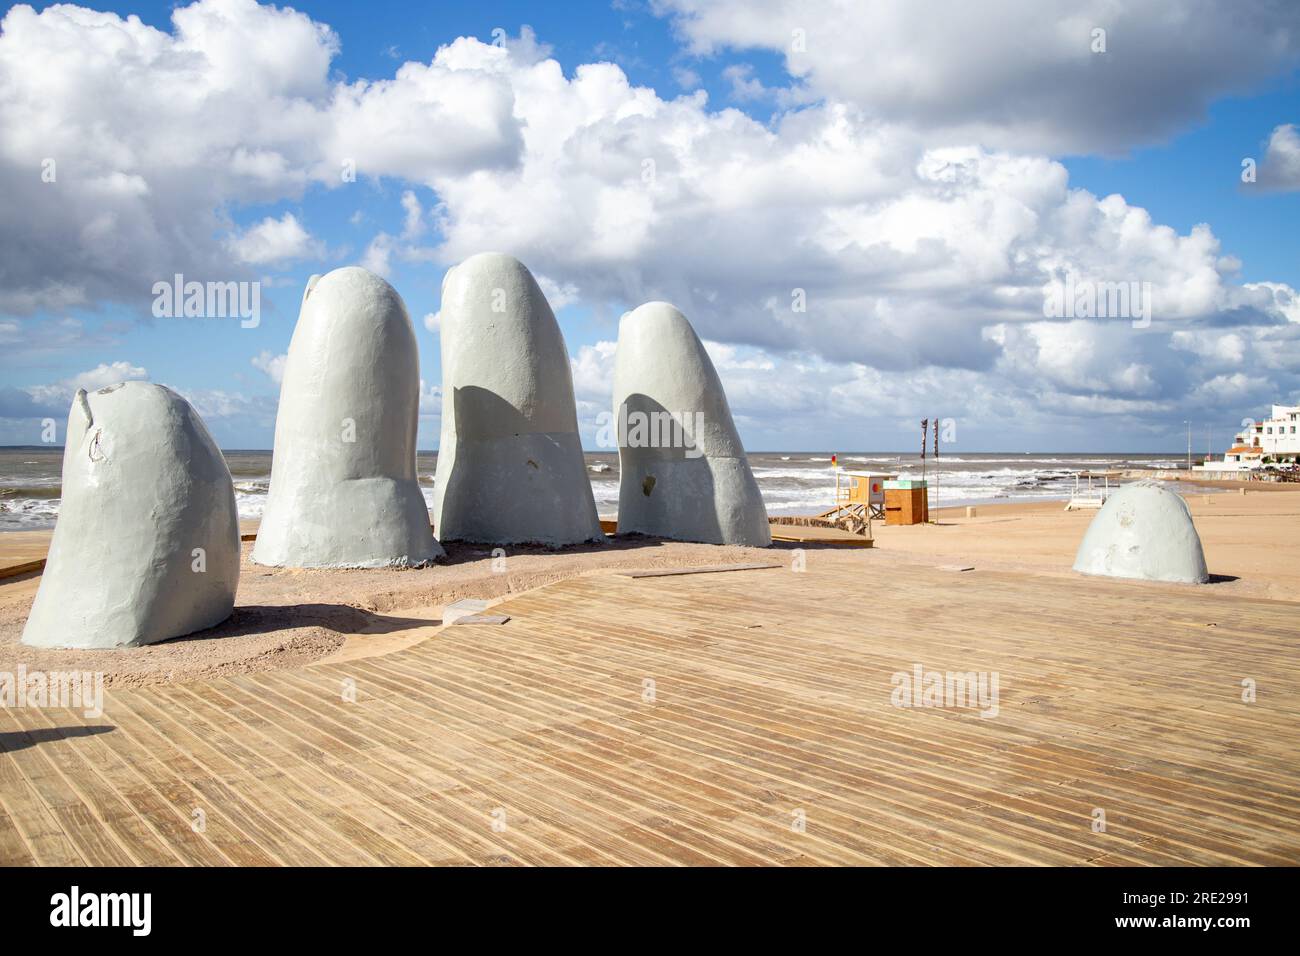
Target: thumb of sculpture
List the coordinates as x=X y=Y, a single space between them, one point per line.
x=146 y=546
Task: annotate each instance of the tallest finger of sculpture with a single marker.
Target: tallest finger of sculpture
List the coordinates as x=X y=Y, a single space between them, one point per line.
x=344 y=492
x=510 y=464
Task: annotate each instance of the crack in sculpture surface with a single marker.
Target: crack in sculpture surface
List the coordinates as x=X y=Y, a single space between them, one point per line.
x=510 y=464
x=1143 y=531
x=344 y=491
x=696 y=485
x=146 y=546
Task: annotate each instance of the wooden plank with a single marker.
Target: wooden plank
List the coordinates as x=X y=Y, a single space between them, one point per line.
x=63 y=827
x=125 y=768
x=21 y=568
x=699 y=745
x=429 y=781
x=624 y=745
x=40 y=837
x=273 y=802
x=235 y=825
x=536 y=741
x=118 y=820
x=24 y=553
x=13 y=848
x=701 y=569
x=349 y=754
x=826 y=541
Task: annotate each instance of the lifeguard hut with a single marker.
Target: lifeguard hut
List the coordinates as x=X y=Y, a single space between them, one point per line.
x=1091 y=489
x=859 y=497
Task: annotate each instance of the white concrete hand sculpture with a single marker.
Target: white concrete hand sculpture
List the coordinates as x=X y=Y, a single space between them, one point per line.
x=510 y=465
x=344 y=492
x=1143 y=531
x=683 y=470
x=146 y=547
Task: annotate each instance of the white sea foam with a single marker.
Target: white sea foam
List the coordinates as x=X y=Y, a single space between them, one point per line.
x=28 y=514
x=790 y=483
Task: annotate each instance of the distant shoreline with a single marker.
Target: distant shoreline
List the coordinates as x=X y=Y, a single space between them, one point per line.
x=792 y=483
x=912 y=453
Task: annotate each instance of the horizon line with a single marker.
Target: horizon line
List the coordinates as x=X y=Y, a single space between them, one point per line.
x=1181 y=453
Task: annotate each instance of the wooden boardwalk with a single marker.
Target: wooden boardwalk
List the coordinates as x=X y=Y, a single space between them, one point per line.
x=733 y=718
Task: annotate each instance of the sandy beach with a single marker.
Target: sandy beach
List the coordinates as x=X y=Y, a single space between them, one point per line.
x=287 y=618
x=1250 y=540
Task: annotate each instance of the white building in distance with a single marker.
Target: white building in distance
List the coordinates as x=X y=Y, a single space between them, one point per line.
x=1273 y=441
x=1278 y=435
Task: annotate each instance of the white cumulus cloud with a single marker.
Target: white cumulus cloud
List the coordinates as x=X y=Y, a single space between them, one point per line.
x=1281 y=166
x=271 y=364
x=1031 y=75
x=275 y=241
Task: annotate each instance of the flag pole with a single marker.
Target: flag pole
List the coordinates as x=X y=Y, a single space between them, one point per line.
x=936 y=468
x=925 y=433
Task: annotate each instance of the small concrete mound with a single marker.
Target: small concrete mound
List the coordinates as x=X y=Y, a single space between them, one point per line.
x=344 y=492
x=1143 y=531
x=510 y=465
x=683 y=470
x=146 y=547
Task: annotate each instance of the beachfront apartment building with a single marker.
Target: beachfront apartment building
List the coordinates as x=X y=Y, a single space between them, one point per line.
x=1275 y=440
x=1276 y=436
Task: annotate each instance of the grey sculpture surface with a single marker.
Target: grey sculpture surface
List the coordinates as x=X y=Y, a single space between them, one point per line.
x=146 y=546
x=510 y=465
x=1143 y=531
x=683 y=470
x=344 y=491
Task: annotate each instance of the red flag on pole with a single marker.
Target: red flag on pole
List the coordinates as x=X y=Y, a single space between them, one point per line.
x=925 y=427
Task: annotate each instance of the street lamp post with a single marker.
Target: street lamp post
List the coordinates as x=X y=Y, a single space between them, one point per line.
x=1189 y=445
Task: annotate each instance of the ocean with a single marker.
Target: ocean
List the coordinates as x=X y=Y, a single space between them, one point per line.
x=792 y=483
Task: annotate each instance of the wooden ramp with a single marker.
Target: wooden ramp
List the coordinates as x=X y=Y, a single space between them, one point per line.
x=24 y=553
x=813 y=534
x=705 y=719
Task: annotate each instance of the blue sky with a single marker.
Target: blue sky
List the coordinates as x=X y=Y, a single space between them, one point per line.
x=921 y=219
